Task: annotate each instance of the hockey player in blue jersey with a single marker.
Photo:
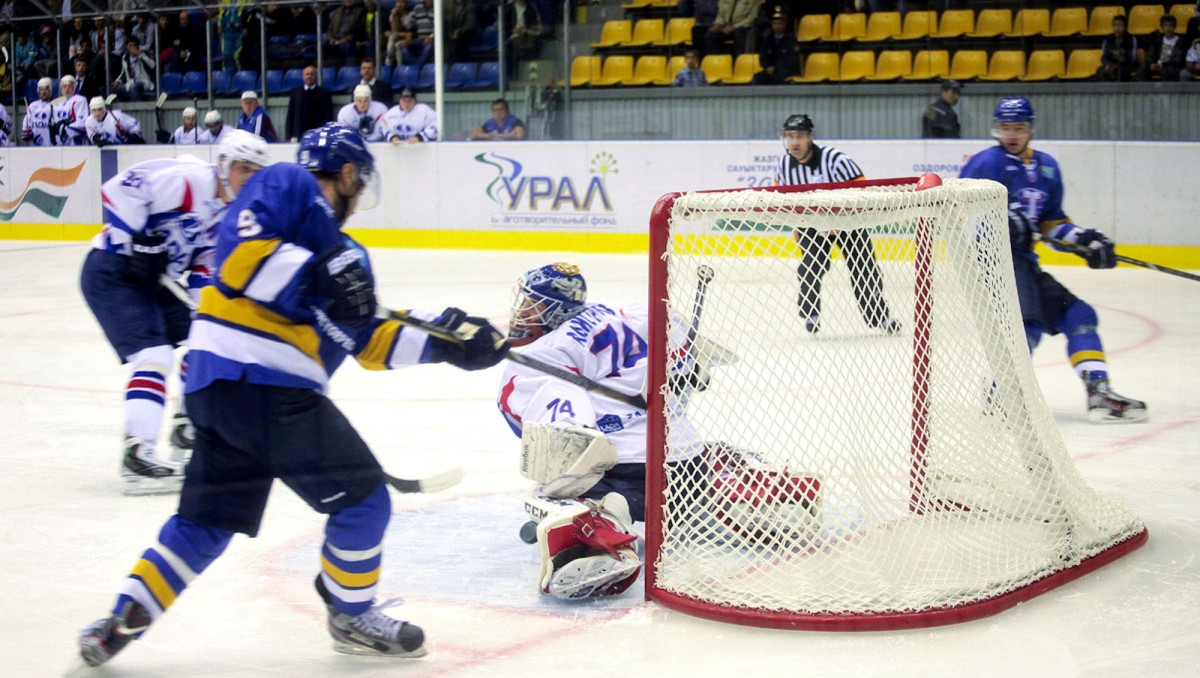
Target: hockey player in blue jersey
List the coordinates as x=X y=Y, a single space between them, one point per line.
x=1035 y=194
x=158 y=220
x=292 y=297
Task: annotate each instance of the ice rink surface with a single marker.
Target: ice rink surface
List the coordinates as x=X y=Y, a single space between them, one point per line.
x=68 y=536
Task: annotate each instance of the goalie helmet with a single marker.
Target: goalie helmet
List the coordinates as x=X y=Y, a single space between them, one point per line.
x=1014 y=109
x=798 y=123
x=545 y=298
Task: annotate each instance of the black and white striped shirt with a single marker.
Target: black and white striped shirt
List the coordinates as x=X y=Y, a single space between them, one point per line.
x=826 y=165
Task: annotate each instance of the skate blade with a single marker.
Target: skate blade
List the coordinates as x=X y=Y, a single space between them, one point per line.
x=363 y=651
x=137 y=486
x=1102 y=416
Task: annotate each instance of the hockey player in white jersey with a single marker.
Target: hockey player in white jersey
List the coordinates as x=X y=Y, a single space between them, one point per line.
x=215 y=129
x=189 y=132
x=72 y=109
x=35 y=126
x=6 y=128
x=364 y=115
x=103 y=127
x=586 y=452
x=158 y=219
x=410 y=122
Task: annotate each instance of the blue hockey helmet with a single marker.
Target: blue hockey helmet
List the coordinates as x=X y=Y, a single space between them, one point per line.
x=1014 y=109
x=544 y=298
x=328 y=147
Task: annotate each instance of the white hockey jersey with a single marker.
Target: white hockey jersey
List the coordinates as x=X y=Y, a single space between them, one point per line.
x=206 y=137
x=115 y=127
x=6 y=128
x=607 y=346
x=369 y=125
x=172 y=197
x=73 y=110
x=187 y=137
x=420 y=121
x=35 y=126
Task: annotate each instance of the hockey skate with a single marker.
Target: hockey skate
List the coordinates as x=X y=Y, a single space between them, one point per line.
x=813 y=324
x=373 y=632
x=889 y=325
x=106 y=637
x=183 y=434
x=1104 y=404
x=145 y=473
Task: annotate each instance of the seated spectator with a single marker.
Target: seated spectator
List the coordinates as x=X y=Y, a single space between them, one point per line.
x=103 y=127
x=136 y=81
x=254 y=118
x=1191 y=63
x=364 y=115
x=397 y=35
x=347 y=31
x=732 y=31
x=779 y=53
x=419 y=49
x=691 y=75
x=25 y=54
x=189 y=132
x=73 y=33
x=410 y=122
x=46 y=55
x=704 y=12
x=502 y=126
x=143 y=30
x=1165 y=52
x=1118 y=56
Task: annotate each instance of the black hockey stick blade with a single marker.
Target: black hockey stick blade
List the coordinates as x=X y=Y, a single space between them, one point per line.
x=1077 y=249
x=435 y=483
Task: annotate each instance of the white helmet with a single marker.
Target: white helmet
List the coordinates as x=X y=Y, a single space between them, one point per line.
x=212 y=117
x=362 y=92
x=189 y=112
x=240 y=145
x=97 y=104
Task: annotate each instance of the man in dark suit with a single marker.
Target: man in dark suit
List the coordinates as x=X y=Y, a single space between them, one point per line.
x=309 y=106
x=86 y=84
x=380 y=91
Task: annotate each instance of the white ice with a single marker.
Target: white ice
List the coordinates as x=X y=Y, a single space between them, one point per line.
x=68 y=536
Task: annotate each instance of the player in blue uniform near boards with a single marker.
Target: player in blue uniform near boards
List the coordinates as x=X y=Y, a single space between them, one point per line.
x=292 y=297
x=1035 y=194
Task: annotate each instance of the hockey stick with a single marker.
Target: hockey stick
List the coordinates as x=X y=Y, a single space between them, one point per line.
x=1083 y=251
x=705 y=274
x=434 y=483
x=161 y=135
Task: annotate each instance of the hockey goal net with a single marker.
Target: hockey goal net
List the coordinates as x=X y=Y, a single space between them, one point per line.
x=852 y=477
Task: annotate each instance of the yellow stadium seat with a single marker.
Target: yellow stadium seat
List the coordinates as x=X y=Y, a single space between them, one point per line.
x=848 y=26
x=614 y=33
x=678 y=31
x=818 y=67
x=955 y=23
x=717 y=67
x=1143 y=19
x=892 y=64
x=856 y=65
x=674 y=65
x=918 y=25
x=1005 y=64
x=617 y=69
x=814 y=27
x=1182 y=12
x=647 y=32
x=744 y=68
x=1100 y=20
x=1082 y=64
x=881 y=26
x=584 y=69
x=1067 y=21
x=992 y=23
x=638 y=4
x=930 y=64
x=1045 y=64
x=1030 y=22
x=968 y=64
x=650 y=69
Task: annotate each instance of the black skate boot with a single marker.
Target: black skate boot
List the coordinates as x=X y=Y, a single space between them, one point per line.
x=106 y=637
x=372 y=632
x=1104 y=404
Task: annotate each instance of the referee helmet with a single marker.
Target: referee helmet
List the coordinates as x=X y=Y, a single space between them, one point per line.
x=798 y=123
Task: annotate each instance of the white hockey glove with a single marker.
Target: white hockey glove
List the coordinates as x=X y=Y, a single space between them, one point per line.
x=568 y=460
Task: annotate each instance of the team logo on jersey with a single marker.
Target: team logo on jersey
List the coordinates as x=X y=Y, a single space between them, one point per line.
x=59 y=180
x=609 y=423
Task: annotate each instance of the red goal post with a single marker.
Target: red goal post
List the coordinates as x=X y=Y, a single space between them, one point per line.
x=853 y=478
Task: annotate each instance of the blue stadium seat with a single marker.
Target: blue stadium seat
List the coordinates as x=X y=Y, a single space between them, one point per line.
x=196 y=82
x=461 y=75
x=292 y=78
x=404 y=76
x=275 y=81
x=488 y=76
x=172 y=84
x=328 y=75
x=221 y=83
x=427 y=79
x=347 y=78
x=245 y=80
x=489 y=40
x=384 y=74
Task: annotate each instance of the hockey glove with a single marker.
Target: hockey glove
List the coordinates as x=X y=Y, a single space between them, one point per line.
x=481 y=344
x=99 y=140
x=148 y=258
x=1100 y=252
x=340 y=277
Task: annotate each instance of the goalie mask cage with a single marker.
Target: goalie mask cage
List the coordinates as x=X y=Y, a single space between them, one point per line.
x=851 y=478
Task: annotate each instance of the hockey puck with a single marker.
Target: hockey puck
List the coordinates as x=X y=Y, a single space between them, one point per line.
x=529 y=532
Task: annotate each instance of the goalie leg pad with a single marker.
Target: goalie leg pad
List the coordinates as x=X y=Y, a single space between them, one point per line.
x=765 y=505
x=588 y=549
x=567 y=460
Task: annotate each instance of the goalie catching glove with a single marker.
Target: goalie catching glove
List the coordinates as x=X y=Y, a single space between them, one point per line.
x=1094 y=246
x=479 y=345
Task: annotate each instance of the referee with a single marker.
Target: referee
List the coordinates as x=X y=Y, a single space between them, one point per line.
x=808 y=163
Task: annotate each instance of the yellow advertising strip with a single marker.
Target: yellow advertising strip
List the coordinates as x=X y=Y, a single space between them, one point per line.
x=68 y=232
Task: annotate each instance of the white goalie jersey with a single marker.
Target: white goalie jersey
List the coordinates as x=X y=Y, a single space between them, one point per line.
x=607 y=346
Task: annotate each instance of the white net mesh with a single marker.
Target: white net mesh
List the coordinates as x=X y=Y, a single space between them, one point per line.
x=863 y=468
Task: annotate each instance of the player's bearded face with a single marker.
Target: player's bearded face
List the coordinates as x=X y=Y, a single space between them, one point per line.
x=1014 y=136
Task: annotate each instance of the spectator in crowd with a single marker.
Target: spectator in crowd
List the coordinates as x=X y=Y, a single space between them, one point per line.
x=525 y=23
x=303 y=22
x=254 y=118
x=1118 y=53
x=1191 y=63
x=167 y=37
x=73 y=33
x=106 y=32
x=732 y=31
x=779 y=53
x=143 y=30
x=704 y=13
x=184 y=60
x=250 y=57
x=347 y=31
x=397 y=34
x=380 y=90
x=309 y=105
x=189 y=132
x=189 y=34
x=45 y=63
x=86 y=84
x=6 y=128
x=458 y=17
x=214 y=129
x=691 y=75
x=410 y=122
x=1165 y=52
x=1191 y=32
x=136 y=81
x=502 y=126
x=25 y=53
x=940 y=121
x=103 y=127
x=229 y=21
x=419 y=49
x=364 y=115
